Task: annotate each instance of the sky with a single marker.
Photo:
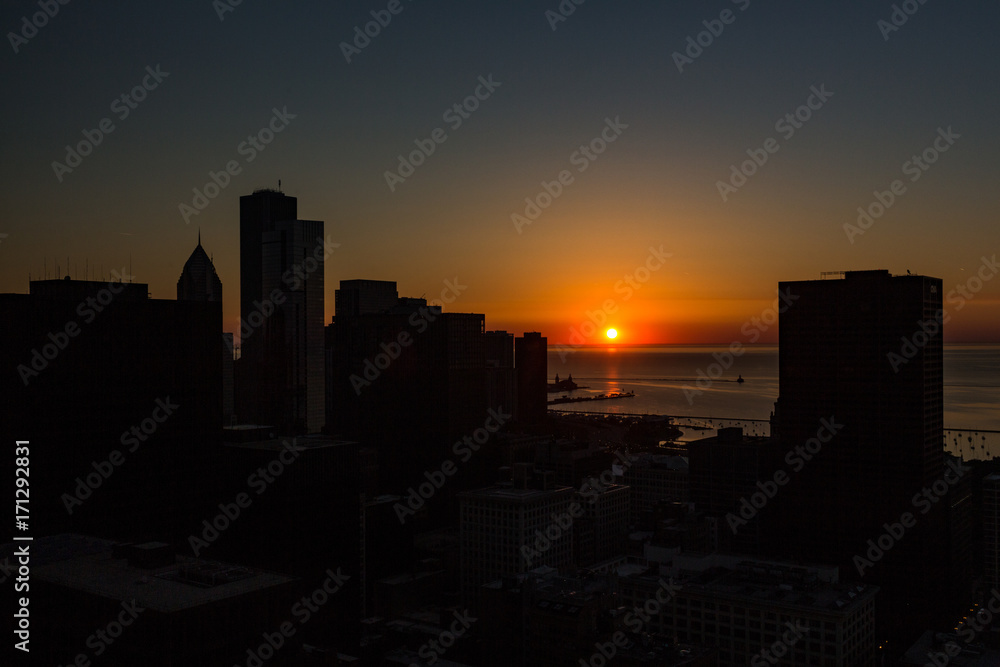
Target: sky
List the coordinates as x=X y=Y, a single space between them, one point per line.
x=628 y=124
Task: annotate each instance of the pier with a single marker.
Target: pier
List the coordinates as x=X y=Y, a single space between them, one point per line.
x=600 y=397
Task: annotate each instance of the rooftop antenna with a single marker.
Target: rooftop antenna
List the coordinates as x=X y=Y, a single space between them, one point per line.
x=279 y=185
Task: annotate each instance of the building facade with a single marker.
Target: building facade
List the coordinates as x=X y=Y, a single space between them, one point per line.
x=507 y=529
x=281 y=368
x=760 y=612
x=531 y=364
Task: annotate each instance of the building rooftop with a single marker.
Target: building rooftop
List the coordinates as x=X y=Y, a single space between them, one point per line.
x=971 y=655
x=855 y=276
x=302 y=443
x=94 y=566
x=409 y=577
x=409 y=658
x=79 y=290
x=659 y=461
x=512 y=494
x=816 y=588
x=663 y=653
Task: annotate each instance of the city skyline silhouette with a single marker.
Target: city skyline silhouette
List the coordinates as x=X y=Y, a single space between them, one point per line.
x=401 y=334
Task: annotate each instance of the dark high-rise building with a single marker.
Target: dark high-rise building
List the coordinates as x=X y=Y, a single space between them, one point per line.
x=466 y=359
x=365 y=297
x=500 y=374
x=282 y=310
x=199 y=280
x=293 y=336
x=861 y=382
x=500 y=349
x=409 y=382
x=120 y=396
x=228 y=379
x=310 y=518
x=531 y=364
x=258 y=213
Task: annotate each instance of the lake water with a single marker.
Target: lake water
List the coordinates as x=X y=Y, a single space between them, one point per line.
x=663 y=379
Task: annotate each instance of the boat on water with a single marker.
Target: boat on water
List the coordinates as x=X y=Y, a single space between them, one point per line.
x=740 y=379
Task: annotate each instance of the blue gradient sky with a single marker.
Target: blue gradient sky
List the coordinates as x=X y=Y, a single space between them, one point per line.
x=656 y=185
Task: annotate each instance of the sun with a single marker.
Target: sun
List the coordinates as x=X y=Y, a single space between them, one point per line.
x=612 y=333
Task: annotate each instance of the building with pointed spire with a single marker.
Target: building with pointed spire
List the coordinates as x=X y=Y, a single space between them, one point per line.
x=199 y=280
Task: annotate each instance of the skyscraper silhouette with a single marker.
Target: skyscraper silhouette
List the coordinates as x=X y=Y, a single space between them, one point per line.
x=861 y=356
x=837 y=339
x=199 y=280
x=282 y=308
x=531 y=367
x=365 y=297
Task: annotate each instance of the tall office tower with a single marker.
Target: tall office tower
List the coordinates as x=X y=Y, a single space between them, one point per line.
x=500 y=370
x=281 y=303
x=258 y=213
x=964 y=538
x=365 y=297
x=199 y=280
x=531 y=366
x=860 y=372
x=466 y=371
x=500 y=348
x=228 y=379
x=512 y=528
x=410 y=381
x=293 y=266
